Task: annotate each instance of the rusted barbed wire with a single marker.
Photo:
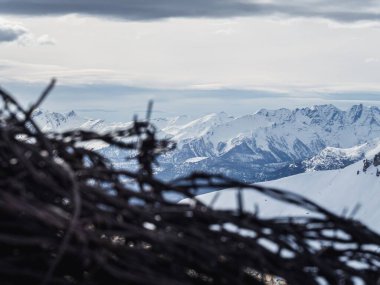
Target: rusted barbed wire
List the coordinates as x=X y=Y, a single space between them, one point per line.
x=67 y=216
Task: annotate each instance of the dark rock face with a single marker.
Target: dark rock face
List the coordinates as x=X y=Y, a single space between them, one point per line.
x=376 y=160
x=367 y=163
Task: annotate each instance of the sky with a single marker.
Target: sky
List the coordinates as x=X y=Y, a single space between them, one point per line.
x=191 y=57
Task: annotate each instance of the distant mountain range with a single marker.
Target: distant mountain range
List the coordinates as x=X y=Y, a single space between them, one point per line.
x=266 y=145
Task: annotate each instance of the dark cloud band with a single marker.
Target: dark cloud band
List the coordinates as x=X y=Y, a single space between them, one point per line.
x=339 y=10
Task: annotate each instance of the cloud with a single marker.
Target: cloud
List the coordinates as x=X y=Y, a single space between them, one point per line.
x=338 y=10
x=17 y=71
x=46 y=40
x=10 y=32
x=372 y=60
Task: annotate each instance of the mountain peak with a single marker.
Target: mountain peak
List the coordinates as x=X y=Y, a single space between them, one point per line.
x=71 y=114
x=38 y=112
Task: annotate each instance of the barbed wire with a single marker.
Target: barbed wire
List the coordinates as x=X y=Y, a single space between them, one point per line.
x=67 y=216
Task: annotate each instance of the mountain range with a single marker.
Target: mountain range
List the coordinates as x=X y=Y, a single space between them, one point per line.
x=265 y=145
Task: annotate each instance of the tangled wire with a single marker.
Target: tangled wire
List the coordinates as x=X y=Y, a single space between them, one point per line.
x=68 y=217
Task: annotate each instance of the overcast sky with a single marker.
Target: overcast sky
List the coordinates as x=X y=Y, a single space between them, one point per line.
x=191 y=57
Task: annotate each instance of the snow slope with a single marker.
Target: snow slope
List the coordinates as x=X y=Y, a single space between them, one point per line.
x=339 y=191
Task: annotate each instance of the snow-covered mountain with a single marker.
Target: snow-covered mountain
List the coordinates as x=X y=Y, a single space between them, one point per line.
x=341 y=191
x=58 y=122
x=336 y=158
x=266 y=145
x=53 y=121
x=270 y=143
x=294 y=132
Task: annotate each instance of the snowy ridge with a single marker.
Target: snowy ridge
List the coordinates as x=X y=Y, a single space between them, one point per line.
x=339 y=191
x=197 y=128
x=52 y=121
x=336 y=158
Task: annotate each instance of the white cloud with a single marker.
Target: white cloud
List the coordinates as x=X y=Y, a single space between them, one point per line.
x=372 y=60
x=46 y=40
x=16 y=32
x=259 y=53
x=16 y=71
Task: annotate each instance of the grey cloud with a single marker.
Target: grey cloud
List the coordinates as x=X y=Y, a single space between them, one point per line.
x=10 y=32
x=339 y=10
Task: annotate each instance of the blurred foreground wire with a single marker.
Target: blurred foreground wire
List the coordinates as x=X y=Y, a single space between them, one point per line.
x=68 y=217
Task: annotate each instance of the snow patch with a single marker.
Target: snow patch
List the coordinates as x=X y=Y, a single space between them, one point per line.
x=196 y=159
